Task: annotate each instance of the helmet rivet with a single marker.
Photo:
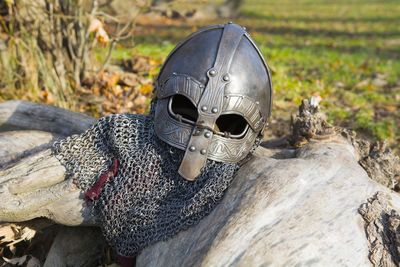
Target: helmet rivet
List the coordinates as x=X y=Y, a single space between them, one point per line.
x=204 y=108
x=201 y=86
x=203 y=151
x=213 y=72
x=226 y=78
x=192 y=148
x=214 y=110
x=244 y=28
x=258 y=103
x=174 y=73
x=230 y=22
x=207 y=135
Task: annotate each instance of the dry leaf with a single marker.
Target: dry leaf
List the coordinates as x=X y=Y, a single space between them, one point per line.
x=112 y=80
x=95 y=25
x=146 y=89
x=11 y=234
x=130 y=105
x=16 y=261
x=362 y=84
x=117 y=90
x=102 y=36
x=154 y=62
x=96 y=90
x=7 y=233
x=390 y=108
x=27 y=260
x=128 y=79
x=140 y=100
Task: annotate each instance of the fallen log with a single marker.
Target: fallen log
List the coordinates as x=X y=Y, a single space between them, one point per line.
x=20 y=115
x=306 y=204
x=19 y=144
x=31 y=180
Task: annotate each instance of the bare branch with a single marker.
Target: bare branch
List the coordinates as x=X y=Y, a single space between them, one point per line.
x=108 y=57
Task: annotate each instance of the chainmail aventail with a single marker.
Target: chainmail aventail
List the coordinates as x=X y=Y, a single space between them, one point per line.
x=147 y=201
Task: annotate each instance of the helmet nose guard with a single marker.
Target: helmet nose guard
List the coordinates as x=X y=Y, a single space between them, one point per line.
x=211 y=102
x=221 y=71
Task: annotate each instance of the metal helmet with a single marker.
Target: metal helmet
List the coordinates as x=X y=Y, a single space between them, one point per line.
x=214 y=97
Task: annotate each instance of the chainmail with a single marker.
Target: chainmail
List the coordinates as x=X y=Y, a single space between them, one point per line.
x=147 y=201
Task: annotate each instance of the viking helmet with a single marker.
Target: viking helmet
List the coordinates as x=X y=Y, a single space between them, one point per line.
x=214 y=97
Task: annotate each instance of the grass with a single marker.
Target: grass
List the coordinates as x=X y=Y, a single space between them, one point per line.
x=345 y=51
x=348 y=52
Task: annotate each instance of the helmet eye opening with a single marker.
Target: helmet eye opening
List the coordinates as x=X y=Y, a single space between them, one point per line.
x=183 y=109
x=233 y=125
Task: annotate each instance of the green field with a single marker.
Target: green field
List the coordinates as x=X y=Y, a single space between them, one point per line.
x=348 y=52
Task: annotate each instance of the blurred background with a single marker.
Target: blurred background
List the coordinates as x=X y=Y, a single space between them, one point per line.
x=101 y=57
